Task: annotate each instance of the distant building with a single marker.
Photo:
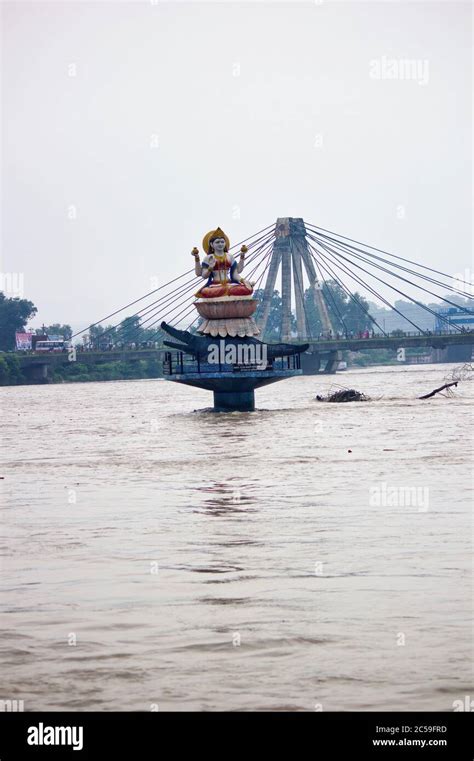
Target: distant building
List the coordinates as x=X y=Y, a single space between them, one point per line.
x=390 y=320
x=444 y=318
x=453 y=318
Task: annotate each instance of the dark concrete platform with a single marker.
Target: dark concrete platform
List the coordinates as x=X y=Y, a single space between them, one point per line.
x=234 y=390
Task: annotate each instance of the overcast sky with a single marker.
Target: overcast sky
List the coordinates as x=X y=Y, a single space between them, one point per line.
x=131 y=129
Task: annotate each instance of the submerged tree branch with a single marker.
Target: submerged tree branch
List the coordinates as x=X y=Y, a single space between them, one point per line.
x=437 y=390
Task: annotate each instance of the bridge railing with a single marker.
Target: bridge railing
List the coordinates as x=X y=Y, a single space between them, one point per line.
x=395 y=335
x=179 y=363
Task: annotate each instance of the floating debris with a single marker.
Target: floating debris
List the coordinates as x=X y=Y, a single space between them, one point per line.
x=447 y=387
x=344 y=395
x=456 y=375
x=461 y=373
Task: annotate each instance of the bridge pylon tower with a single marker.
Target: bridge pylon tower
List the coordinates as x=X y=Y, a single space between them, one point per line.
x=291 y=254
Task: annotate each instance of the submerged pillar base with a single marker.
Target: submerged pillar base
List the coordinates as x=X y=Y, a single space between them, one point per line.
x=234 y=401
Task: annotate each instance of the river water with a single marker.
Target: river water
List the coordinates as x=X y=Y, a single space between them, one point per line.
x=306 y=556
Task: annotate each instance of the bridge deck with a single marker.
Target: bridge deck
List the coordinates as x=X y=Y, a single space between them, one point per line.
x=435 y=341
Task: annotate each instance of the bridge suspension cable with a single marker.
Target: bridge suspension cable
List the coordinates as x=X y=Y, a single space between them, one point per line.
x=335 y=253
x=259 y=253
x=329 y=260
x=348 y=248
x=165 y=285
x=357 y=253
x=410 y=261
x=366 y=285
x=336 y=279
x=258 y=247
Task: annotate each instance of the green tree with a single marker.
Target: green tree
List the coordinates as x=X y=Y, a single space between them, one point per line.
x=16 y=376
x=273 y=328
x=102 y=337
x=346 y=314
x=355 y=315
x=14 y=314
x=333 y=295
x=129 y=329
x=57 y=330
x=10 y=371
x=4 y=372
x=154 y=334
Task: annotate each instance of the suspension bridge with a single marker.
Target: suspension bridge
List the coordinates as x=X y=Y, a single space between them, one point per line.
x=322 y=282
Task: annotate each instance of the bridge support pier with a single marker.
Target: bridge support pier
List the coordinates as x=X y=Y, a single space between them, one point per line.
x=36 y=373
x=332 y=362
x=459 y=353
x=314 y=363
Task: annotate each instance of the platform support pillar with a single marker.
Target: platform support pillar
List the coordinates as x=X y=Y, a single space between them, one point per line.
x=239 y=401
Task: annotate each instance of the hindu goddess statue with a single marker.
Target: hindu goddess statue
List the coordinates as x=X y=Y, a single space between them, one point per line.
x=225 y=301
x=220 y=268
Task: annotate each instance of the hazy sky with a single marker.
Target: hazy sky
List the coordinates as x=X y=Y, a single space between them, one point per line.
x=150 y=123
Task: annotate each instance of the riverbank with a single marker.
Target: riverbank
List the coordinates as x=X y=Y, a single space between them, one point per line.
x=77 y=372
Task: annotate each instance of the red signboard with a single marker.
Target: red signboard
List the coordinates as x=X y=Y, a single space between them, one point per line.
x=24 y=341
